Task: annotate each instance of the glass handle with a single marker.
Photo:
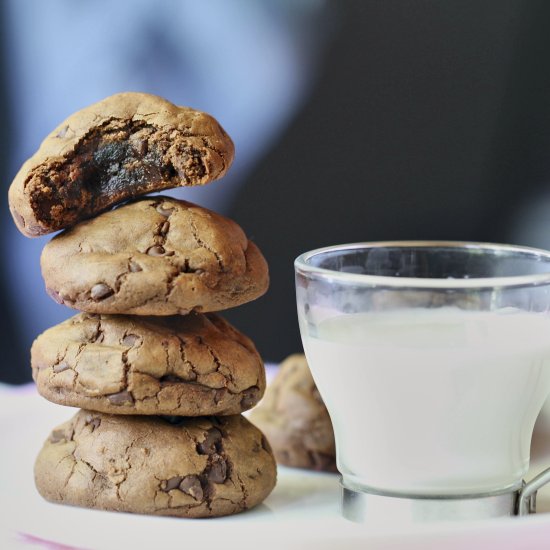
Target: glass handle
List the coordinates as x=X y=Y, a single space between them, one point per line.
x=527 y=496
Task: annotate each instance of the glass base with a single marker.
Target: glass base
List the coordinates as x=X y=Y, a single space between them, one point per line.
x=371 y=506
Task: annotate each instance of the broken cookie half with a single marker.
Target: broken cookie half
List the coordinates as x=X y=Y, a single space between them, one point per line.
x=125 y=146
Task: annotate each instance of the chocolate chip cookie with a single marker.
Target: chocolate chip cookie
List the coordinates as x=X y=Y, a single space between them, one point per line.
x=187 y=467
x=124 y=146
x=154 y=256
x=295 y=419
x=191 y=365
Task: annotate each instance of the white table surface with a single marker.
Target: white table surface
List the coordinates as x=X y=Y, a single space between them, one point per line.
x=302 y=511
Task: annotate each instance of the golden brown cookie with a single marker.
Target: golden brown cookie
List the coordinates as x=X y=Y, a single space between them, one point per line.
x=127 y=145
x=295 y=420
x=194 y=467
x=193 y=365
x=155 y=256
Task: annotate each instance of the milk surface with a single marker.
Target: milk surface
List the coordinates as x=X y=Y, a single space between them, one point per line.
x=432 y=401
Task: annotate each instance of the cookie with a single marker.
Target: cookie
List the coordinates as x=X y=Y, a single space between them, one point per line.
x=154 y=256
x=194 y=467
x=191 y=365
x=124 y=146
x=295 y=420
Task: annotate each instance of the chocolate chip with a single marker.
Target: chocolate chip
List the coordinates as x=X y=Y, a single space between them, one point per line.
x=121 y=398
x=156 y=250
x=210 y=443
x=165 y=209
x=130 y=340
x=57 y=436
x=134 y=267
x=101 y=291
x=217 y=473
x=164 y=228
x=171 y=483
x=60 y=367
x=250 y=397
x=191 y=485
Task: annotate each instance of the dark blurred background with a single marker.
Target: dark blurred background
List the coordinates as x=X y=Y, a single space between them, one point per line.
x=353 y=121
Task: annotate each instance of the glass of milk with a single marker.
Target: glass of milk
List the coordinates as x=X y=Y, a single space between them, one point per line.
x=433 y=359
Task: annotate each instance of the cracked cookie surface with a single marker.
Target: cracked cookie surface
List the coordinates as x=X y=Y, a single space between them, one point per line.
x=295 y=420
x=187 y=467
x=154 y=256
x=193 y=365
x=127 y=145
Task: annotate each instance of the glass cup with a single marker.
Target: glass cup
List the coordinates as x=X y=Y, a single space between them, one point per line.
x=433 y=361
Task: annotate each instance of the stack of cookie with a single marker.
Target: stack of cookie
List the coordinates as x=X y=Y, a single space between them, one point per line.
x=162 y=380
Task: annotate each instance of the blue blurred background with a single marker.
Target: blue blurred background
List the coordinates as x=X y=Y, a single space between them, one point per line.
x=352 y=120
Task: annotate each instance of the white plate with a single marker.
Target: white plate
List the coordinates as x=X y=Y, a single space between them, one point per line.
x=302 y=511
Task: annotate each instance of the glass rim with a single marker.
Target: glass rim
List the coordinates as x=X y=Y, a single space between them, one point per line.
x=302 y=266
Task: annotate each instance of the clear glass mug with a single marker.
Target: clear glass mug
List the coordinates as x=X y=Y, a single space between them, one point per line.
x=433 y=359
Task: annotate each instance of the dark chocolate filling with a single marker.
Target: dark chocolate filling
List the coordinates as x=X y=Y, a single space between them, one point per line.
x=112 y=163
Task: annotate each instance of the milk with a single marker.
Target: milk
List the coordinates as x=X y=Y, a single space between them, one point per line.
x=432 y=401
